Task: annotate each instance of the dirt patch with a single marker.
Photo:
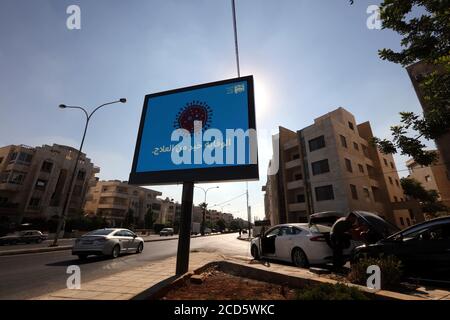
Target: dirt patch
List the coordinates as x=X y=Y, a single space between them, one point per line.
x=214 y=284
x=218 y=285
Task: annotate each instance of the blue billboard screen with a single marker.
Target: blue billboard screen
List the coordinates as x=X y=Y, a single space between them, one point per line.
x=200 y=133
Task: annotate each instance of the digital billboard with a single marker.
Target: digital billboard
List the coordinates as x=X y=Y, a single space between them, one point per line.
x=202 y=133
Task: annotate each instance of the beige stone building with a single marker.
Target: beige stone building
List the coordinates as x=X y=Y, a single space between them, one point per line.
x=34 y=181
x=114 y=199
x=331 y=166
x=417 y=72
x=432 y=178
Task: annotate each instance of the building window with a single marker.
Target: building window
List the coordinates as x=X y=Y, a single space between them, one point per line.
x=408 y=222
x=295 y=156
x=316 y=143
x=361 y=168
x=350 y=125
x=24 y=158
x=354 y=191
x=81 y=175
x=1 y=160
x=298 y=176
x=47 y=166
x=77 y=189
x=320 y=167
x=301 y=198
x=427 y=178
x=371 y=171
x=34 y=202
x=376 y=194
x=356 y=146
x=397 y=183
x=324 y=193
x=17 y=177
x=41 y=184
x=343 y=141
x=366 y=193
x=390 y=181
x=395 y=199
x=348 y=165
x=385 y=162
x=4 y=176
x=401 y=221
x=392 y=165
x=365 y=151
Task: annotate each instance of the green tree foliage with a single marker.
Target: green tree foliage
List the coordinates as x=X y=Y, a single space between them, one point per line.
x=221 y=225
x=429 y=199
x=425 y=37
x=149 y=219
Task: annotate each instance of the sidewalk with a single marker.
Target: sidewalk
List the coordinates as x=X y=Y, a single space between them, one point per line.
x=126 y=285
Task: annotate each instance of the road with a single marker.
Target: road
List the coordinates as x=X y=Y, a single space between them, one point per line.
x=29 y=275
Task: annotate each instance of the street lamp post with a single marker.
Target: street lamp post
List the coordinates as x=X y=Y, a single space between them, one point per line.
x=62 y=219
x=202 y=228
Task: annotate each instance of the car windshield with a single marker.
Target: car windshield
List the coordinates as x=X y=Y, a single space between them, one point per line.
x=99 y=232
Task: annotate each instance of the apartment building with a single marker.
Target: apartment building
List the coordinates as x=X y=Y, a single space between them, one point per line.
x=332 y=166
x=417 y=72
x=34 y=181
x=433 y=177
x=114 y=199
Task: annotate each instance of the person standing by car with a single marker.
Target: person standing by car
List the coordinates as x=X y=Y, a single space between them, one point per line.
x=340 y=236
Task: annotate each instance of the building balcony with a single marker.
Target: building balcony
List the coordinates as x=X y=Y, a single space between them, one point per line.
x=115 y=194
x=8 y=186
x=298 y=206
x=112 y=206
x=293 y=164
x=291 y=144
x=297 y=184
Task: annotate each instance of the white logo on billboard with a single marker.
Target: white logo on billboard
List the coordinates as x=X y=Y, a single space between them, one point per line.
x=210 y=146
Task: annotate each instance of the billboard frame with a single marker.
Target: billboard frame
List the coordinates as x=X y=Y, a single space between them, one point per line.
x=245 y=172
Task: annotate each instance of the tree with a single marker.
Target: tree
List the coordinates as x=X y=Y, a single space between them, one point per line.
x=221 y=225
x=203 y=206
x=424 y=38
x=428 y=199
x=129 y=219
x=235 y=224
x=149 y=219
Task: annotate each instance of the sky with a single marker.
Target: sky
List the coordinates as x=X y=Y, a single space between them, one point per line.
x=308 y=57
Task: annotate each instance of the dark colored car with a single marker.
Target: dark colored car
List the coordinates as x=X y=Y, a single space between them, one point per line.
x=424 y=248
x=27 y=236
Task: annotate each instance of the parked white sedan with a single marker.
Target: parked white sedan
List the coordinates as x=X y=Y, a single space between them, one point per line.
x=299 y=243
x=109 y=242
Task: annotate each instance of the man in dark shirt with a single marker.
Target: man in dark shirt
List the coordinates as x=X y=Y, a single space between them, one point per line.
x=340 y=236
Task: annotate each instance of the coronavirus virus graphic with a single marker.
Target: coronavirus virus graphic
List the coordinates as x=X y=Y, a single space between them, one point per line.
x=193 y=111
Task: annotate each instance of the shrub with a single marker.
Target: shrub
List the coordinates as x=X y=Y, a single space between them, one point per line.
x=390 y=266
x=330 y=292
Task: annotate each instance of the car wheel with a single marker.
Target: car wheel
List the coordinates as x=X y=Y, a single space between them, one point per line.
x=39 y=240
x=140 y=247
x=299 y=258
x=255 y=253
x=115 y=251
x=82 y=256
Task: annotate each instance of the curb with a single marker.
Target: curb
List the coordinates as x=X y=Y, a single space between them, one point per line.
x=33 y=250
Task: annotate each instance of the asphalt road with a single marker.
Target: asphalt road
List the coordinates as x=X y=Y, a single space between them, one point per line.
x=29 y=275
